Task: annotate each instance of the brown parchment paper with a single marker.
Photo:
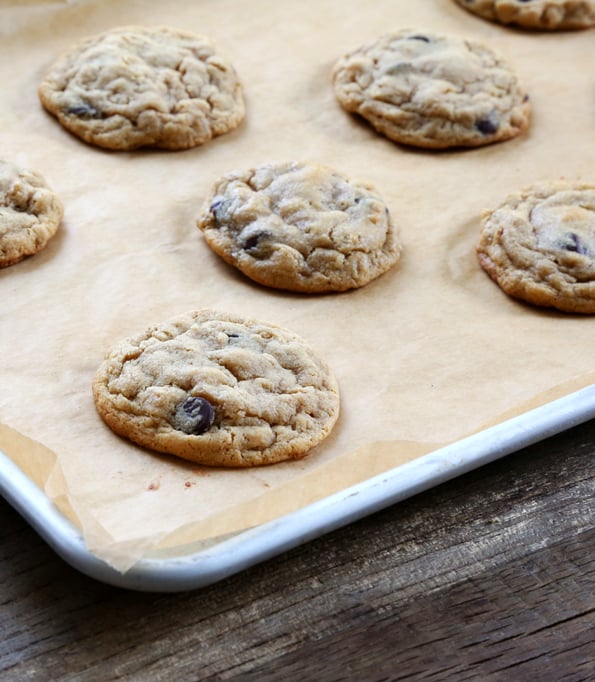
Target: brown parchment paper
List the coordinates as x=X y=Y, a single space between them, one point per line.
x=426 y=354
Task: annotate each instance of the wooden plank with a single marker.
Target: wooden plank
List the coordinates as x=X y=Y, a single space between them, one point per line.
x=489 y=576
x=530 y=619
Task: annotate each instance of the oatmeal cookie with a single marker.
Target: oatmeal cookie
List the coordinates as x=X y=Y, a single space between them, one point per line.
x=219 y=390
x=539 y=14
x=144 y=87
x=301 y=227
x=30 y=213
x=433 y=91
x=539 y=246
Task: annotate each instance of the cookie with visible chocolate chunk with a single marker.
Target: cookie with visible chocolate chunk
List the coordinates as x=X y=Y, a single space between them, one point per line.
x=219 y=390
x=138 y=86
x=539 y=14
x=432 y=90
x=539 y=246
x=30 y=213
x=301 y=227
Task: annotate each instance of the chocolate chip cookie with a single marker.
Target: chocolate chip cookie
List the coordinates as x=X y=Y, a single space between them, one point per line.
x=431 y=90
x=144 y=87
x=538 y=14
x=219 y=390
x=30 y=213
x=300 y=227
x=539 y=246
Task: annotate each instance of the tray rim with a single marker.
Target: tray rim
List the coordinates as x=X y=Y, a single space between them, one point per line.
x=194 y=568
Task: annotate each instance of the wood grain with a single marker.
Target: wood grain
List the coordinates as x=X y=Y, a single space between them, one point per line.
x=488 y=577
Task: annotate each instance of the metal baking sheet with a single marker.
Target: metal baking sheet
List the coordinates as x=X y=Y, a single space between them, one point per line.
x=313 y=126
x=191 y=567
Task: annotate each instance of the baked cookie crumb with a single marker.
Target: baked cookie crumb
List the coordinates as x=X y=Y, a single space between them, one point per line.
x=301 y=227
x=30 y=213
x=539 y=246
x=433 y=91
x=547 y=15
x=137 y=86
x=219 y=390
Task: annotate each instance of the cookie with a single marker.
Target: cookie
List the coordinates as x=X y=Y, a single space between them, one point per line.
x=137 y=87
x=433 y=91
x=300 y=227
x=539 y=246
x=30 y=213
x=219 y=390
x=538 y=14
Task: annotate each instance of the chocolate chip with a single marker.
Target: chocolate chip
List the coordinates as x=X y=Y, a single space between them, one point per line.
x=425 y=39
x=251 y=242
x=489 y=125
x=255 y=242
x=193 y=416
x=217 y=207
x=83 y=111
x=574 y=244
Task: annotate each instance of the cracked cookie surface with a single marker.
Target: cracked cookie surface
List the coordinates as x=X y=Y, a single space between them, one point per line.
x=30 y=213
x=538 y=14
x=539 y=246
x=432 y=90
x=219 y=390
x=301 y=227
x=137 y=87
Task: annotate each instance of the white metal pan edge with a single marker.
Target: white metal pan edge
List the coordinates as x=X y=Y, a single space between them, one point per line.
x=189 y=567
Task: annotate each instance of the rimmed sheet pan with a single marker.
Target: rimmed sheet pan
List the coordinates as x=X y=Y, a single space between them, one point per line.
x=191 y=567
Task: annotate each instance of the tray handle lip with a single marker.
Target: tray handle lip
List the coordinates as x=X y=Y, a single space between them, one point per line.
x=196 y=569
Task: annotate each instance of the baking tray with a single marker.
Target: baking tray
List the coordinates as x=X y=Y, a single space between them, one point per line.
x=193 y=566
x=449 y=289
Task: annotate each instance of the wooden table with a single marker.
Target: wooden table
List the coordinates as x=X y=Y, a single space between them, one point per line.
x=488 y=577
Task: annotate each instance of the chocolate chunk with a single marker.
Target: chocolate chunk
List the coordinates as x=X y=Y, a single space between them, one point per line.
x=216 y=208
x=251 y=242
x=193 y=416
x=574 y=244
x=489 y=125
x=255 y=242
x=84 y=111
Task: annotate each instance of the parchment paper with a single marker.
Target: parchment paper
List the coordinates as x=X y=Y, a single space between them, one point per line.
x=424 y=355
